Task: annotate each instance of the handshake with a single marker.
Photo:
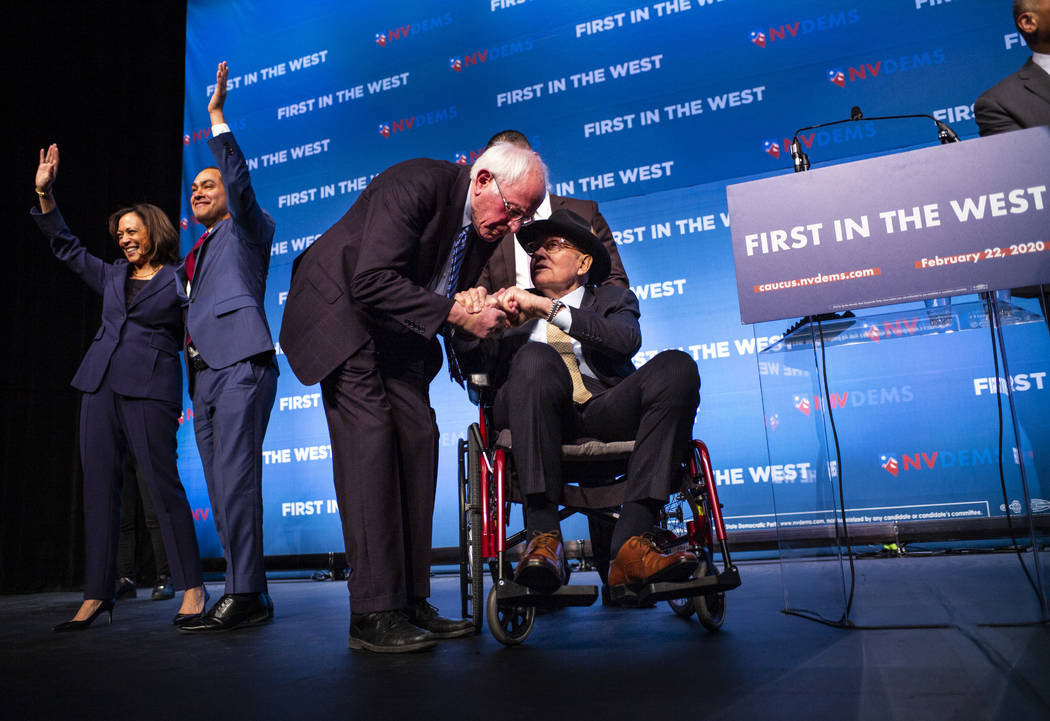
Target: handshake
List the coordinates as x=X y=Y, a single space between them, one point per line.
x=484 y=315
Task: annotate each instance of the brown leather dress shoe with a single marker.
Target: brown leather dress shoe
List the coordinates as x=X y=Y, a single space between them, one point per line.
x=640 y=562
x=542 y=567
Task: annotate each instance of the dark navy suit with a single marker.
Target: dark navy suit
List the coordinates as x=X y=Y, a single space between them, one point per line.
x=132 y=386
x=233 y=397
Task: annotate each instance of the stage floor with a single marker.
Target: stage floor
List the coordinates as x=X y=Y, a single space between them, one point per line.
x=595 y=662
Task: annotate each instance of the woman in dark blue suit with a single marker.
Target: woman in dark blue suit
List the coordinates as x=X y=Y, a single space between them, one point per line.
x=132 y=385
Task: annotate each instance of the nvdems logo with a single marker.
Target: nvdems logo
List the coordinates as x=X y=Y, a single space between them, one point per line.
x=786 y=31
x=940 y=459
x=402 y=32
x=886 y=66
x=821 y=138
x=459 y=63
x=416 y=121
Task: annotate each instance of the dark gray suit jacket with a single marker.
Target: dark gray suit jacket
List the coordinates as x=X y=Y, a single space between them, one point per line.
x=1021 y=100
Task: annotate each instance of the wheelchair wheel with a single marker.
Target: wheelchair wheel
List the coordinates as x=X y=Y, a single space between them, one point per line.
x=682 y=607
x=509 y=625
x=710 y=609
x=475 y=564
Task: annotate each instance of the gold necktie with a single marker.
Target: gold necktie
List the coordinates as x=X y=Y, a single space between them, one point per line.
x=560 y=341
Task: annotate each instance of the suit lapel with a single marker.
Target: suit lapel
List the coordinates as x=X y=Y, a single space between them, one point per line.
x=450 y=223
x=117 y=283
x=1035 y=79
x=155 y=284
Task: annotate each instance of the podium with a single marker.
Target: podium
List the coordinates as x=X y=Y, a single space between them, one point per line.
x=904 y=439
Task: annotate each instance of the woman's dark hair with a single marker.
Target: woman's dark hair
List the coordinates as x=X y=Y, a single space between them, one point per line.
x=163 y=237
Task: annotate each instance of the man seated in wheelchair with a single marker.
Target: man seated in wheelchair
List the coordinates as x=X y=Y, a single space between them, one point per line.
x=564 y=372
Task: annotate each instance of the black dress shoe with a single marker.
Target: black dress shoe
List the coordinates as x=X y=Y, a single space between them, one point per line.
x=422 y=615
x=230 y=612
x=125 y=588
x=163 y=589
x=387 y=632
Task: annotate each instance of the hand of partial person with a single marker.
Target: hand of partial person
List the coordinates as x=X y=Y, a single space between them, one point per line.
x=521 y=305
x=47 y=171
x=487 y=323
x=218 y=98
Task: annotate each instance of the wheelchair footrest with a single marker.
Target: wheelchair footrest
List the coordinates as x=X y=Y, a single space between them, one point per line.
x=653 y=592
x=513 y=594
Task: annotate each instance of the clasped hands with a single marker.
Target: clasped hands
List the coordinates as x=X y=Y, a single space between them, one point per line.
x=508 y=307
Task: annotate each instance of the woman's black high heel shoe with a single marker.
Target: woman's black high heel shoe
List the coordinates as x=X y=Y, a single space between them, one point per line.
x=104 y=607
x=181 y=617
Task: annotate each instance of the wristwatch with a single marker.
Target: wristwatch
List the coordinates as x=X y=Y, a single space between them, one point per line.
x=555 y=307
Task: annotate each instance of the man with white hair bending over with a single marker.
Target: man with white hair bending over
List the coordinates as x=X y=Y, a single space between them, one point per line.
x=365 y=305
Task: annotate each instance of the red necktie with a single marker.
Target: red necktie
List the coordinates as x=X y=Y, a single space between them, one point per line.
x=191 y=265
x=191 y=259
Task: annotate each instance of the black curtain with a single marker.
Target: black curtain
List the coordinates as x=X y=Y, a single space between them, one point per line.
x=105 y=82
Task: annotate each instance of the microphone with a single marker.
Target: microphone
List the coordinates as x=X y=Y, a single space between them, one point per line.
x=801 y=161
x=945 y=133
x=799 y=158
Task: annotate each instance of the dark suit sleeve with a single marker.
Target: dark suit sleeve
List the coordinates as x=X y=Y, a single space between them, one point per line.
x=611 y=326
x=399 y=211
x=68 y=248
x=244 y=208
x=992 y=118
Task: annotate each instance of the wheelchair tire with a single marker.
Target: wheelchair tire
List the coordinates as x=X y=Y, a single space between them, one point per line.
x=475 y=563
x=710 y=609
x=509 y=625
x=682 y=607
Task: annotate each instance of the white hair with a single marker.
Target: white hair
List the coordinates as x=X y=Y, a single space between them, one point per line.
x=509 y=163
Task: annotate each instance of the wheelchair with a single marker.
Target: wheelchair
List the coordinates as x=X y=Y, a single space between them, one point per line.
x=692 y=520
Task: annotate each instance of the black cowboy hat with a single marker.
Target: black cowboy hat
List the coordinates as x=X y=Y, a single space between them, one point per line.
x=567 y=224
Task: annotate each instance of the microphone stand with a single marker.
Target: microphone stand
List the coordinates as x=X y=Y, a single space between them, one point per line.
x=801 y=161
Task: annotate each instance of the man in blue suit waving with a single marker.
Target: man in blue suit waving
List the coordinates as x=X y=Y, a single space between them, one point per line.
x=232 y=372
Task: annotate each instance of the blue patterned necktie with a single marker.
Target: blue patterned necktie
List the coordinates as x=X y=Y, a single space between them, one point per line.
x=459 y=250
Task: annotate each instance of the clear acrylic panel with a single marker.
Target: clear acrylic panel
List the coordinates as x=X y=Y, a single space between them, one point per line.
x=893 y=507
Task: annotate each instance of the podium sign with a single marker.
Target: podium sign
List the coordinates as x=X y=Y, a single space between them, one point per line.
x=959 y=218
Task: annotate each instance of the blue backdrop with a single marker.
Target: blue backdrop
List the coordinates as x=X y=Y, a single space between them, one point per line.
x=651 y=109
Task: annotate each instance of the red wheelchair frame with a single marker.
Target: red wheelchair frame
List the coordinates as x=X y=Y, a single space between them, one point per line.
x=485 y=497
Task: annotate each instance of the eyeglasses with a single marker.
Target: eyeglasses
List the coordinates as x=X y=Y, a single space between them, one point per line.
x=551 y=245
x=516 y=214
